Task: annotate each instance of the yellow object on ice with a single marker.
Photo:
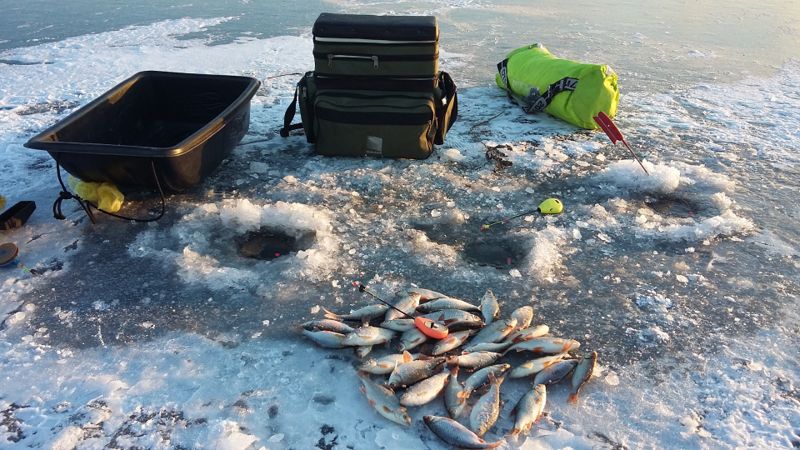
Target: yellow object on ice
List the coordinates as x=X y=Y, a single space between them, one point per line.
x=551 y=206
x=105 y=195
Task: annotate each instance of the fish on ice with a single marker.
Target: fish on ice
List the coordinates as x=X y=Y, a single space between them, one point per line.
x=529 y=409
x=456 y=434
x=423 y=392
x=364 y=314
x=384 y=401
x=487 y=409
x=386 y=364
x=490 y=307
x=582 y=374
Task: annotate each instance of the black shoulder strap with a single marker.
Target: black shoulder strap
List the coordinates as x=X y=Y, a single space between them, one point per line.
x=502 y=68
x=288 y=116
x=447 y=112
x=535 y=101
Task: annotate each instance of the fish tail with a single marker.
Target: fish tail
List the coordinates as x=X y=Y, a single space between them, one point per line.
x=330 y=315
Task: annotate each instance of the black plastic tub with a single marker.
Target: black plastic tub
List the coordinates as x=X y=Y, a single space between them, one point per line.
x=182 y=124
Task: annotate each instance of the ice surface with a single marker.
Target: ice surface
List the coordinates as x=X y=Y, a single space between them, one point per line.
x=162 y=335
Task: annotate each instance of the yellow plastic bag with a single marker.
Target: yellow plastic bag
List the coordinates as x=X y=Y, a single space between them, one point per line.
x=105 y=195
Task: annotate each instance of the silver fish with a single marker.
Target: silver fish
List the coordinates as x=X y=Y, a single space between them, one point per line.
x=486 y=410
x=386 y=364
x=474 y=360
x=327 y=339
x=409 y=373
x=456 y=434
x=453 y=340
x=536 y=365
x=582 y=374
x=425 y=391
x=406 y=303
x=526 y=334
x=495 y=332
x=524 y=316
x=328 y=325
x=546 y=344
x=400 y=325
x=411 y=339
x=529 y=409
x=480 y=377
x=384 y=401
x=555 y=372
x=447 y=303
x=487 y=347
x=426 y=295
x=364 y=314
x=368 y=335
x=455 y=319
x=363 y=351
x=452 y=400
x=490 y=308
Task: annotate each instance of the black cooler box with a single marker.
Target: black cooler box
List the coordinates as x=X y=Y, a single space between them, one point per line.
x=376 y=46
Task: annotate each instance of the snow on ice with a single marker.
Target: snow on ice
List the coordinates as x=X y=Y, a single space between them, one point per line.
x=162 y=336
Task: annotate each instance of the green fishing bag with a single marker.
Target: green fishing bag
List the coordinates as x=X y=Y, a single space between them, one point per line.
x=394 y=118
x=572 y=91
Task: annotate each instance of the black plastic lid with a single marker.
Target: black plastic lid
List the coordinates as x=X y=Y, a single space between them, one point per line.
x=388 y=28
x=8 y=252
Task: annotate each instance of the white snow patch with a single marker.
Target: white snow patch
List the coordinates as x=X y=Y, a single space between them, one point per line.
x=627 y=174
x=546 y=254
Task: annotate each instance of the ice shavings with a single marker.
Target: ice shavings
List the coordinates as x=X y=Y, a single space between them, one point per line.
x=546 y=256
x=204 y=243
x=703 y=194
x=628 y=175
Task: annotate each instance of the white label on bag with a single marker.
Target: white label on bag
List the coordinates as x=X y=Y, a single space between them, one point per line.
x=374 y=145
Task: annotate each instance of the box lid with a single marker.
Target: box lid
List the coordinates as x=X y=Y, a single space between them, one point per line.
x=384 y=28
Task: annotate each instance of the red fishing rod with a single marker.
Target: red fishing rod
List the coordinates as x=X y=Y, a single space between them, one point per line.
x=613 y=133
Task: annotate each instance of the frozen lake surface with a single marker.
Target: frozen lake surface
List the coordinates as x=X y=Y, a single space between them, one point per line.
x=164 y=336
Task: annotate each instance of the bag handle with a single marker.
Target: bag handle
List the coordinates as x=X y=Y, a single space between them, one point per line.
x=447 y=112
x=288 y=116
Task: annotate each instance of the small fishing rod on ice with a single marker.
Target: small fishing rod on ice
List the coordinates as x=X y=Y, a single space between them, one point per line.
x=428 y=327
x=548 y=206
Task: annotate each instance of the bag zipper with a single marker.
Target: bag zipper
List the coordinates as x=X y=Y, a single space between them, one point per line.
x=375 y=59
x=372 y=117
x=332 y=56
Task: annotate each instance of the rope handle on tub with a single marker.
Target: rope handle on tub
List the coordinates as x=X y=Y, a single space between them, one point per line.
x=86 y=205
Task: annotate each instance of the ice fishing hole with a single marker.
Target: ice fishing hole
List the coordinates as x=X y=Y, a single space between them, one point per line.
x=498 y=253
x=672 y=206
x=268 y=244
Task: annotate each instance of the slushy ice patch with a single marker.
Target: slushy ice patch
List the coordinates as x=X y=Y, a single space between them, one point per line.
x=679 y=202
x=238 y=244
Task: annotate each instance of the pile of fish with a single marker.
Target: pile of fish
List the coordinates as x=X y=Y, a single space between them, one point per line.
x=477 y=341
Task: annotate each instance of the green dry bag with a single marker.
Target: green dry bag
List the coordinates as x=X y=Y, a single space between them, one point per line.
x=569 y=90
